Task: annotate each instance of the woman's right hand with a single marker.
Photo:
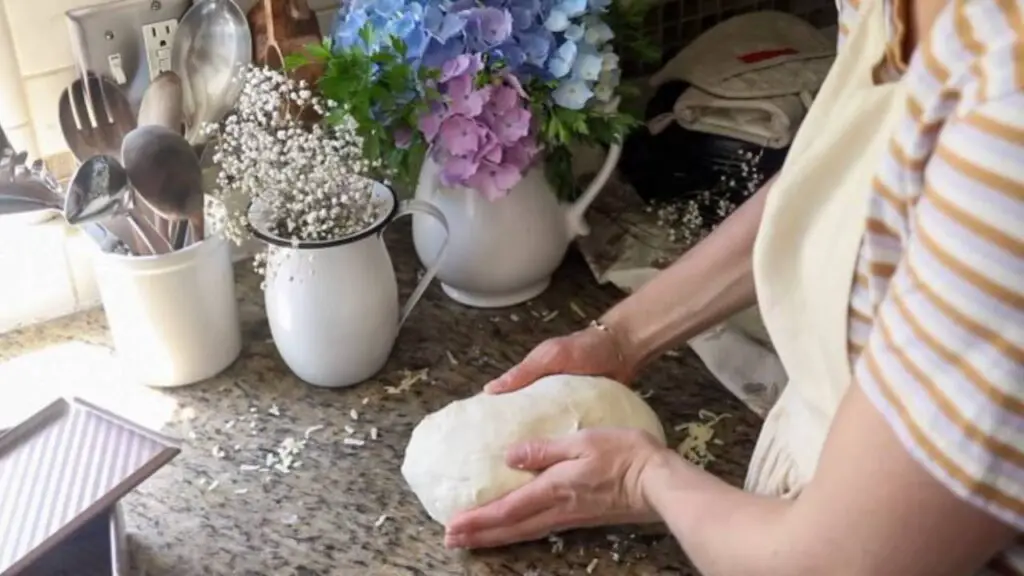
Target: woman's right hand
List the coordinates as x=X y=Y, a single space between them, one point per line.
x=592 y=351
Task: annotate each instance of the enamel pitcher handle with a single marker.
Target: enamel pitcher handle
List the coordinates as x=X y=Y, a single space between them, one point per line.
x=408 y=208
x=575 y=221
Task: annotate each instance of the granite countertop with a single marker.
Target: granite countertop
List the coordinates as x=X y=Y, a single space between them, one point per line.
x=346 y=510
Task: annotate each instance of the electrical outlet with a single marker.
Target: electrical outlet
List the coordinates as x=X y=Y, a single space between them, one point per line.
x=108 y=39
x=157 y=39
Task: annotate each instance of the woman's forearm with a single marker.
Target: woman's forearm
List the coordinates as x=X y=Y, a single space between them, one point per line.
x=724 y=530
x=709 y=283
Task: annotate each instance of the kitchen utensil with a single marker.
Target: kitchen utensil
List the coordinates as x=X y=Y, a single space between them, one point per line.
x=20 y=205
x=284 y=27
x=32 y=190
x=13 y=160
x=27 y=195
x=164 y=169
x=99 y=191
x=7 y=155
x=41 y=172
x=5 y=144
x=161 y=106
x=161 y=103
x=272 y=56
x=211 y=47
x=94 y=117
x=63 y=467
x=210 y=168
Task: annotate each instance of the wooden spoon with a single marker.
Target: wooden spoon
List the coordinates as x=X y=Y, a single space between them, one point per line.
x=271 y=48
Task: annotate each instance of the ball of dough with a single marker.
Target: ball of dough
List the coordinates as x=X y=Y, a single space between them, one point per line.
x=455 y=459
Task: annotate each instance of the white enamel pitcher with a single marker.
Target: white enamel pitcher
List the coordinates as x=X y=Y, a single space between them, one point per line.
x=333 y=306
x=503 y=252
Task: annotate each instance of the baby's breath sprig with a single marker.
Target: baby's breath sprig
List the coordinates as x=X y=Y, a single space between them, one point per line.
x=310 y=176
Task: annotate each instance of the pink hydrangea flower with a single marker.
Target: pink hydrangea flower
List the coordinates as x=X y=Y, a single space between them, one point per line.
x=455 y=170
x=430 y=123
x=490 y=147
x=512 y=125
x=521 y=154
x=480 y=137
x=503 y=99
x=463 y=98
x=463 y=64
x=460 y=136
x=494 y=180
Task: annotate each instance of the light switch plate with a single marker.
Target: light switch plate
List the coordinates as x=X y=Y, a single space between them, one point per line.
x=105 y=37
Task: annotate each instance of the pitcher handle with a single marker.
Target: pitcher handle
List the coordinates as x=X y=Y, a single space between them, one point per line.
x=577 y=224
x=408 y=208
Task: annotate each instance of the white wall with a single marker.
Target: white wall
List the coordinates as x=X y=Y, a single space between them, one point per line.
x=35 y=66
x=44 y=272
x=45 y=269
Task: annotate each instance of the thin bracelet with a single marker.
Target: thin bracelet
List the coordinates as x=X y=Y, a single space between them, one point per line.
x=598 y=325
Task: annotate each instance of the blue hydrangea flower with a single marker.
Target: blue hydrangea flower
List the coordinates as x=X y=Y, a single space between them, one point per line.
x=442 y=26
x=438 y=53
x=536 y=44
x=487 y=28
x=598 y=33
x=571 y=8
x=572 y=95
x=525 y=13
x=561 y=62
x=387 y=7
x=557 y=21
x=587 y=65
x=562 y=40
x=574 y=32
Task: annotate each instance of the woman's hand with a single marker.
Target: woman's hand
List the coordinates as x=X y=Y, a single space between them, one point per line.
x=589 y=478
x=589 y=352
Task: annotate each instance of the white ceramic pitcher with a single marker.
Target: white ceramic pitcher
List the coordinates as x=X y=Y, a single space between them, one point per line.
x=333 y=306
x=502 y=252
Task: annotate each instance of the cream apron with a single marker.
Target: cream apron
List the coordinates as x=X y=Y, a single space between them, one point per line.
x=806 y=252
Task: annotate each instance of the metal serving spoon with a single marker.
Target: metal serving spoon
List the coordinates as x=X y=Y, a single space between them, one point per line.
x=165 y=170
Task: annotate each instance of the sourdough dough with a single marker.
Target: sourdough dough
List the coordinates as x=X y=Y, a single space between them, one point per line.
x=455 y=459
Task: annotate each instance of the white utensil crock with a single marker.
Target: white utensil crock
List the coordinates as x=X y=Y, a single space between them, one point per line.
x=333 y=306
x=502 y=252
x=173 y=317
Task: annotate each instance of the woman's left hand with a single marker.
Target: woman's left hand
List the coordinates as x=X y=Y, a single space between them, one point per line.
x=589 y=478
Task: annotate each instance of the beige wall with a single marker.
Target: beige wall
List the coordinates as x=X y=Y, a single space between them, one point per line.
x=35 y=66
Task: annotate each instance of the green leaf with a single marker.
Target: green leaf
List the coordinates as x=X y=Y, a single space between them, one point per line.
x=295 y=61
x=318 y=51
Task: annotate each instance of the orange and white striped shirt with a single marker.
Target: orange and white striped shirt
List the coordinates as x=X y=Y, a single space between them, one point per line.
x=936 y=330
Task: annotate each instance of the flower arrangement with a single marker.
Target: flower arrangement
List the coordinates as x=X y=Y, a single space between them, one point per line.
x=487 y=88
x=310 y=176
